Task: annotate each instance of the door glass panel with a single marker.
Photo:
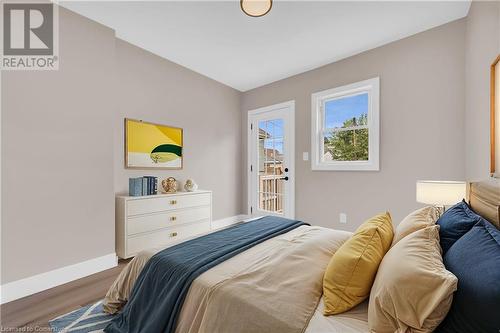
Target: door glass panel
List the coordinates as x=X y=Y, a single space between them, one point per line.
x=271 y=170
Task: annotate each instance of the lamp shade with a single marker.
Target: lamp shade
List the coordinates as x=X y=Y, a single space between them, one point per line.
x=440 y=193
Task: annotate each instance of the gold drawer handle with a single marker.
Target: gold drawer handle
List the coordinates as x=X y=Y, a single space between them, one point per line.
x=173 y=234
x=173 y=202
x=173 y=218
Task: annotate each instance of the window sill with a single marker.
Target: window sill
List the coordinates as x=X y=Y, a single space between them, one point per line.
x=349 y=166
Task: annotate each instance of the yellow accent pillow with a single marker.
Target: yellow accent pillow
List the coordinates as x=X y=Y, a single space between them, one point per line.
x=350 y=274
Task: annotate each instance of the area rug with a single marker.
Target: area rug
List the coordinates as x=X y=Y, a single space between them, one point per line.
x=89 y=319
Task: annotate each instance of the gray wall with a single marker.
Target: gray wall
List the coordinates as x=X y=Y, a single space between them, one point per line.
x=62 y=144
x=62 y=133
x=422 y=126
x=482 y=46
x=154 y=89
x=57 y=155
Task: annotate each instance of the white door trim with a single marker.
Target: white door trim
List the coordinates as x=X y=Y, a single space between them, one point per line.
x=290 y=105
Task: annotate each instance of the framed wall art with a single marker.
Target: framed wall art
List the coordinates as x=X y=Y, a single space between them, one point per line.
x=152 y=146
x=495 y=118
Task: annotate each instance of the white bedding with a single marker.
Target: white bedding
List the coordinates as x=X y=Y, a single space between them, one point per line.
x=353 y=321
x=257 y=267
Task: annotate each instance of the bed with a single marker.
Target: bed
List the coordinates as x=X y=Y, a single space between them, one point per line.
x=266 y=289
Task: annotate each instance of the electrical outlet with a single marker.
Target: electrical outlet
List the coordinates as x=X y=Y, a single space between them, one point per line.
x=305 y=156
x=343 y=218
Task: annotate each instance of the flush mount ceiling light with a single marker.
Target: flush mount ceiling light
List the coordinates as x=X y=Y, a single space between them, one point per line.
x=256 y=8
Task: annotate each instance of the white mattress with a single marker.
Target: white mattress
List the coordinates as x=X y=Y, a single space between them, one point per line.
x=353 y=321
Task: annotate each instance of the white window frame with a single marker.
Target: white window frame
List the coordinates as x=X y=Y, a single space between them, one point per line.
x=318 y=99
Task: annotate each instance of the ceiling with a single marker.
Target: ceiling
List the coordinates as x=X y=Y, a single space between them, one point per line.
x=218 y=40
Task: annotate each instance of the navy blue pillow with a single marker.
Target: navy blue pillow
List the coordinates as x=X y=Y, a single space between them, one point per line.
x=475 y=261
x=455 y=223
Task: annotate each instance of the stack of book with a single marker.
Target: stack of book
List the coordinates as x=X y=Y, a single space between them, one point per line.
x=147 y=185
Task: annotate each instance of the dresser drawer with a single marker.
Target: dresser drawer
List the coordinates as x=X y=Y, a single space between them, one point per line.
x=164 y=237
x=152 y=205
x=144 y=223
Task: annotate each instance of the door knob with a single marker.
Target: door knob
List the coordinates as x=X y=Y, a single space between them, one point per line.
x=286 y=169
x=285 y=178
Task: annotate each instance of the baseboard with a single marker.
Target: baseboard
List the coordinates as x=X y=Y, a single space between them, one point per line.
x=40 y=282
x=225 y=222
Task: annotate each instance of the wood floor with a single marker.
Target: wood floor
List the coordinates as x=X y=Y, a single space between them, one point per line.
x=35 y=311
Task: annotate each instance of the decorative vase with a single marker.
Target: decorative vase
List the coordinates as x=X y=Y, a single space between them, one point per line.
x=169 y=185
x=190 y=185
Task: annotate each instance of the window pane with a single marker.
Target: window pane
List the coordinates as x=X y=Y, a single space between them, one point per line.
x=271 y=157
x=277 y=128
x=262 y=157
x=346 y=145
x=264 y=132
x=347 y=111
x=271 y=129
x=278 y=150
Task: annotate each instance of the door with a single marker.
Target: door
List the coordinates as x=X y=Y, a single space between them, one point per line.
x=271 y=157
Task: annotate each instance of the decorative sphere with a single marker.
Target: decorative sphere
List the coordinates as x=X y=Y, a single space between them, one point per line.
x=190 y=185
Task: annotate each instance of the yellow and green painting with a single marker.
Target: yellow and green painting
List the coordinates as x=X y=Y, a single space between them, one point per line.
x=150 y=145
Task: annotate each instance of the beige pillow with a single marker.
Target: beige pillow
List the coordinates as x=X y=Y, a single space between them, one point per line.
x=412 y=291
x=419 y=219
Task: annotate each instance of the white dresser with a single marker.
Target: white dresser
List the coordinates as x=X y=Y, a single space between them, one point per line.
x=159 y=220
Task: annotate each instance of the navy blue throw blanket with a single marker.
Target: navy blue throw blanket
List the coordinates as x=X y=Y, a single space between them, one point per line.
x=158 y=294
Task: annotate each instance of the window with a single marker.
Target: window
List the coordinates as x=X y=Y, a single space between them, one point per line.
x=345 y=127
